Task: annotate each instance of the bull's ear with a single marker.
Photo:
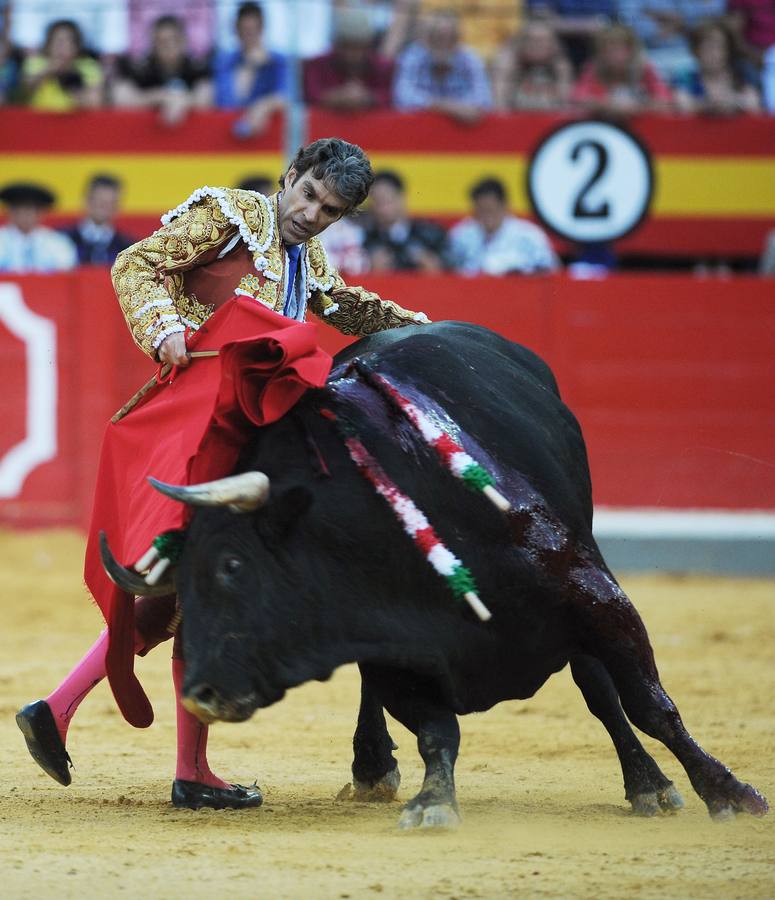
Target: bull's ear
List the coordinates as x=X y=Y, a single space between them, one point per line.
x=285 y=510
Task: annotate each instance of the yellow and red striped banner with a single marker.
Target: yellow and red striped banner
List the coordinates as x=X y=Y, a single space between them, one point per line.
x=715 y=179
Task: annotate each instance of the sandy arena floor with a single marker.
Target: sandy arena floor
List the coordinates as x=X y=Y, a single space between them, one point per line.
x=539 y=785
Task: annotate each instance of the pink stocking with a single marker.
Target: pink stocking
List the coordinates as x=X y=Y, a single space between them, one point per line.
x=87 y=674
x=192 y=739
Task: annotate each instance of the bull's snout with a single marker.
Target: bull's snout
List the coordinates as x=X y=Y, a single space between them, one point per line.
x=208 y=705
x=201 y=701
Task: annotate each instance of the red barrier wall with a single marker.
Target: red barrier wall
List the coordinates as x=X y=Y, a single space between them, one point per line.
x=671 y=378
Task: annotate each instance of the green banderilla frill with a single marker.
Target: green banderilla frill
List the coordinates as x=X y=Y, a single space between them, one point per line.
x=461 y=581
x=477 y=478
x=169 y=544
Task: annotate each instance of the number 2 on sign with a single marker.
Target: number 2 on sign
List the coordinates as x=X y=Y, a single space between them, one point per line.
x=580 y=208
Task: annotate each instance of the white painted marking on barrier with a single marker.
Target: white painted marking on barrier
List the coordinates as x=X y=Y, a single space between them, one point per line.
x=40 y=343
x=715 y=524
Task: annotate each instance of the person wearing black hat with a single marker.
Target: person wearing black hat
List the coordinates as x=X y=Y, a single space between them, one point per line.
x=25 y=244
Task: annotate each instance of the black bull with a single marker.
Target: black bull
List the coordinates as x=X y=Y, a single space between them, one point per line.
x=323 y=574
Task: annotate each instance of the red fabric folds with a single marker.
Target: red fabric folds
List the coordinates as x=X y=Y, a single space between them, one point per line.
x=187 y=430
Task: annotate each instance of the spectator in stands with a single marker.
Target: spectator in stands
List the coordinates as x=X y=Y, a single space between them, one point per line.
x=95 y=236
x=532 y=70
x=167 y=79
x=393 y=240
x=251 y=77
x=343 y=243
x=493 y=242
x=10 y=69
x=352 y=77
x=717 y=85
x=289 y=26
x=767 y=261
x=400 y=28
x=618 y=80
x=259 y=184
x=198 y=16
x=664 y=29
x=62 y=77
x=438 y=73
x=485 y=25
x=754 y=21
x=104 y=24
x=576 y=22
x=25 y=244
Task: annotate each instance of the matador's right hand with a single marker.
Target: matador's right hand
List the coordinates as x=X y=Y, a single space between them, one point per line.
x=172 y=350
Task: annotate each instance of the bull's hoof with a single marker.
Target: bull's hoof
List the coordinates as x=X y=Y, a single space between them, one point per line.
x=36 y=723
x=438 y=815
x=752 y=802
x=669 y=799
x=193 y=795
x=382 y=791
x=744 y=799
x=652 y=803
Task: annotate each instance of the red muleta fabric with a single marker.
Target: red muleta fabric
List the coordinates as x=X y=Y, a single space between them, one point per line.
x=184 y=431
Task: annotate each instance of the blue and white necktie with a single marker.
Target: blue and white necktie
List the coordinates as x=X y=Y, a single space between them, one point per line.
x=291 y=308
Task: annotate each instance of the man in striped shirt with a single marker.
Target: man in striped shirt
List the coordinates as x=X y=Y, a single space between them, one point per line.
x=439 y=73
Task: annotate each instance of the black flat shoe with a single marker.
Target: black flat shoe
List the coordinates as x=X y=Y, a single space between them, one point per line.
x=36 y=722
x=193 y=795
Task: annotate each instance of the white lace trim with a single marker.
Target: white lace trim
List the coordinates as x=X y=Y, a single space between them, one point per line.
x=329 y=310
x=244 y=293
x=422 y=318
x=165 y=333
x=192 y=325
x=152 y=304
x=221 y=196
x=173 y=317
x=314 y=284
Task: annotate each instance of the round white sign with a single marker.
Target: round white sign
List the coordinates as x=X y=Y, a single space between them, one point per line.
x=590 y=181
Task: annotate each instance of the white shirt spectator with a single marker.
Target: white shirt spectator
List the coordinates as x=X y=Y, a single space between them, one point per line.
x=343 y=243
x=40 y=250
x=104 y=24
x=516 y=246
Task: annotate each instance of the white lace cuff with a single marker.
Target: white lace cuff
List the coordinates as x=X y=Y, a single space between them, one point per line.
x=165 y=333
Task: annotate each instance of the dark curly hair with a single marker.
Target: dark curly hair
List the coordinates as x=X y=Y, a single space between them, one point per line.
x=344 y=168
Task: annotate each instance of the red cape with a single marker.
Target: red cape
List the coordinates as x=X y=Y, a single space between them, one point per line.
x=185 y=431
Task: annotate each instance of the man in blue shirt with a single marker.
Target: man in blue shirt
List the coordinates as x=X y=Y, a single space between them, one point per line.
x=251 y=77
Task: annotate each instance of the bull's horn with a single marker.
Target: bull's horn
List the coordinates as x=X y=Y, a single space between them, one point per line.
x=129 y=580
x=241 y=493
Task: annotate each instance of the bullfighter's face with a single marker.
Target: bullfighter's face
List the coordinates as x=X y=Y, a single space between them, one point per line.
x=307 y=207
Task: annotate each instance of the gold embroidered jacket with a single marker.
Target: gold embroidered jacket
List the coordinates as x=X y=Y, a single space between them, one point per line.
x=148 y=276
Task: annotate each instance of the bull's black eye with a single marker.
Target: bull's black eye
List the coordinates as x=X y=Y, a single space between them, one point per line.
x=228 y=568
